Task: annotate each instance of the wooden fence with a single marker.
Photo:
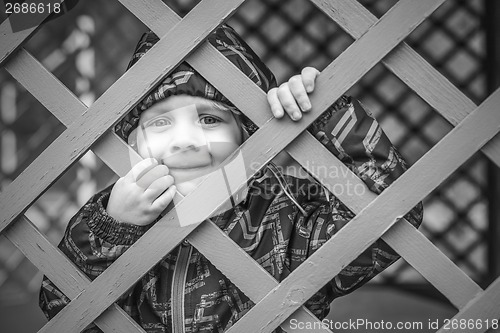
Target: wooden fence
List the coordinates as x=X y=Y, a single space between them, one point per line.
x=377 y=40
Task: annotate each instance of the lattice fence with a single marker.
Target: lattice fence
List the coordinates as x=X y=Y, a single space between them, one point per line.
x=377 y=41
x=451 y=39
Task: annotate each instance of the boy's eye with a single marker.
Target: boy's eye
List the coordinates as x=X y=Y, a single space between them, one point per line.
x=209 y=120
x=160 y=122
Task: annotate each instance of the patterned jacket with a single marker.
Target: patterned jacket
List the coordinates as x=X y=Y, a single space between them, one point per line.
x=268 y=225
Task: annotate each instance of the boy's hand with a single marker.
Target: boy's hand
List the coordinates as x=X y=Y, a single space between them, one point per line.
x=292 y=96
x=144 y=192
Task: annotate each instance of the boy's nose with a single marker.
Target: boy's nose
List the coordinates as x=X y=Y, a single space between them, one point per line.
x=187 y=139
x=179 y=148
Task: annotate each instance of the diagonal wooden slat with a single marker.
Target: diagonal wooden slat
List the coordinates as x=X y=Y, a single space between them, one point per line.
x=408 y=238
x=468 y=288
x=485 y=309
x=305 y=144
x=11 y=41
x=375 y=219
x=155 y=14
x=34 y=77
x=50 y=260
x=417 y=250
x=260 y=148
x=45 y=87
x=226 y=253
x=120 y=98
x=303 y=152
x=306 y=149
x=66 y=107
x=62 y=102
x=411 y=68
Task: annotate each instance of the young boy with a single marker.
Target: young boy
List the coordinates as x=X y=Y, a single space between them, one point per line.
x=184 y=129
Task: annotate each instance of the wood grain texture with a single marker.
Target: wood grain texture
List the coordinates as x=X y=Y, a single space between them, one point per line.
x=411 y=68
x=485 y=307
x=70 y=280
x=373 y=221
x=115 y=102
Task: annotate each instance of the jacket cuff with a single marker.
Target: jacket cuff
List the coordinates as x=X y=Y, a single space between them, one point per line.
x=111 y=230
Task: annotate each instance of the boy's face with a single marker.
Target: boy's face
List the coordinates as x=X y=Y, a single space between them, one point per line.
x=190 y=135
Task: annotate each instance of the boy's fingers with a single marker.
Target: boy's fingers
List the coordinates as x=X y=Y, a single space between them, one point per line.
x=309 y=75
x=274 y=103
x=140 y=169
x=158 y=186
x=288 y=102
x=298 y=91
x=152 y=175
x=163 y=200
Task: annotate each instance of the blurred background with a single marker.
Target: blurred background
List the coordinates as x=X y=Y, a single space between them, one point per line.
x=89 y=47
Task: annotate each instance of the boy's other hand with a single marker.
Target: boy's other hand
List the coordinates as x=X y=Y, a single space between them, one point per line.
x=292 y=96
x=142 y=194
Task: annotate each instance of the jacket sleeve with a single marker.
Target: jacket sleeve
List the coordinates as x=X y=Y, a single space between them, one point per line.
x=93 y=240
x=356 y=138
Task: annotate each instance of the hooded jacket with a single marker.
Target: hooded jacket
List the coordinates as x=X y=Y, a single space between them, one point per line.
x=280 y=228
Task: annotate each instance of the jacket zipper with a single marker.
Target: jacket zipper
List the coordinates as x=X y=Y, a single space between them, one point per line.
x=178 y=285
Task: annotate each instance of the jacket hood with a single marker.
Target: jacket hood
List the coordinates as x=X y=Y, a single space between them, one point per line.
x=184 y=80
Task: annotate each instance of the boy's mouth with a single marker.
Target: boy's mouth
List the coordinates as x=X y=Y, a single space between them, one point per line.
x=188 y=172
x=186 y=164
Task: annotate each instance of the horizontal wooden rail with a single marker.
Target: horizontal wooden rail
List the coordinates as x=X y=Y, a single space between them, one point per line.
x=51 y=261
x=375 y=219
